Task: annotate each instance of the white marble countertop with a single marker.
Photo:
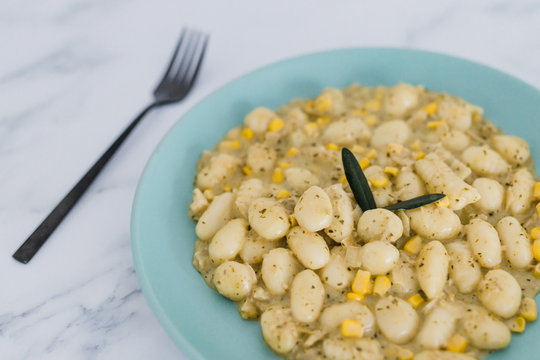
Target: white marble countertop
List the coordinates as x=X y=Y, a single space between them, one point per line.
x=74 y=72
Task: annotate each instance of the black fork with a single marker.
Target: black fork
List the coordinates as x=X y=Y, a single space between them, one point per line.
x=173 y=87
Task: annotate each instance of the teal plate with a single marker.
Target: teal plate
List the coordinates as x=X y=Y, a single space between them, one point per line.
x=201 y=322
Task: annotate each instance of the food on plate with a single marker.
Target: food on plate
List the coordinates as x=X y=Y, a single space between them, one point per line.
x=372 y=223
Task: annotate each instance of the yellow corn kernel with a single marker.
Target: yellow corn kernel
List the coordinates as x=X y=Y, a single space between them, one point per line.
x=277 y=176
x=308 y=107
x=536 y=271
x=246 y=170
x=311 y=129
x=332 y=146
x=535 y=233
x=538 y=209
x=292 y=151
x=373 y=105
x=517 y=324
x=528 y=309
x=283 y=194
x=476 y=117
x=416 y=145
x=444 y=202
x=227 y=188
x=413 y=245
x=435 y=124
x=361 y=281
x=323 y=103
x=381 y=285
x=420 y=155
x=457 y=343
x=354 y=296
x=395 y=149
x=230 y=145
x=359 y=112
x=378 y=181
x=416 y=300
x=371 y=120
x=322 y=120
x=391 y=170
x=247 y=133
x=275 y=124
x=364 y=163
x=536 y=191
x=285 y=165
x=351 y=327
x=208 y=194
x=430 y=108
x=405 y=354
x=343 y=179
x=359 y=149
x=292 y=220
x=371 y=154
x=536 y=249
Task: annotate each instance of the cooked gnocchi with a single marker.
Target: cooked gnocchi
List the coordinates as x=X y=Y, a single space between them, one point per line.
x=280 y=233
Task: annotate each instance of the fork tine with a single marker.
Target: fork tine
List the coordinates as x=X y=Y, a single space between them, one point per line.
x=173 y=60
x=188 y=57
x=198 y=66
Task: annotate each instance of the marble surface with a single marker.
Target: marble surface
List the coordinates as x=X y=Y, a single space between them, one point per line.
x=74 y=72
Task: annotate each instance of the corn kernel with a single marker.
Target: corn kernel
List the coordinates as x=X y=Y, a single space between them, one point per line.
x=208 y=194
x=230 y=145
x=275 y=124
x=476 y=117
x=227 y=188
x=246 y=170
x=277 y=176
x=371 y=154
x=391 y=170
x=430 y=108
x=457 y=343
x=536 y=271
x=371 y=120
x=354 y=296
x=536 y=250
x=528 y=309
x=416 y=145
x=247 y=133
x=405 y=354
x=285 y=165
x=308 y=107
x=435 y=124
x=292 y=220
x=394 y=149
x=420 y=155
x=332 y=146
x=538 y=209
x=536 y=191
x=343 y=179
x=323 y=103
x=381 y=285
x=364 y=163
x=351 y=327
x=361 y=281
x=444 y=202
x=359 y=149
x=283 y=194
x=535 y=233
x=311 y=129
x=373 y=105
x=292 y=151
x=413 y=245
x=416 y=300
x=517 y=324
x=322 y=120
x=359 y=112
x=378 y=181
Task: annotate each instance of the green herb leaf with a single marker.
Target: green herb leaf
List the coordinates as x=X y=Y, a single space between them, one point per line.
x=357 y=180
x=415 y=202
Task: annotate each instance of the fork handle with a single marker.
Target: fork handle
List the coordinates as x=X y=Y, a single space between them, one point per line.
x=34 y=242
